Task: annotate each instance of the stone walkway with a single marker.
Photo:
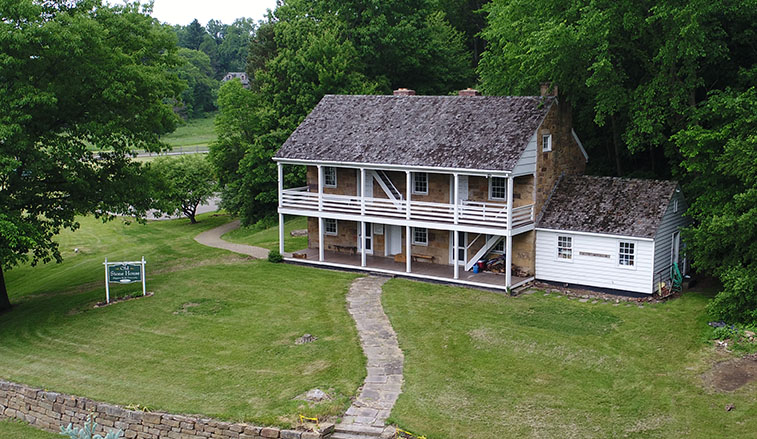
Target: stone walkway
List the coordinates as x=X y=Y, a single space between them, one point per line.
x=367 y=415
x=212 y=238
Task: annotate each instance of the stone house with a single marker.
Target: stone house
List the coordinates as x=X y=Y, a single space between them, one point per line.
x=242 y=76
x=428 y=186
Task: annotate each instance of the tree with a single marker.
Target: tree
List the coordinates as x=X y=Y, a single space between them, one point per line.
x=720 y=155
x=181 y=184
x=194 y=36
x=201 y=93
x=76 y=77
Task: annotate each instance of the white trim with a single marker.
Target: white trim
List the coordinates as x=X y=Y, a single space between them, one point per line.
x=417 y=192
x=604 y=235
x=548 y=146
x=336 y=227
x=580 y=145
x=557 y=250
x=491 y=181
x=429 y=169
x=633 y=255
x=325 y=184
x=425 y=244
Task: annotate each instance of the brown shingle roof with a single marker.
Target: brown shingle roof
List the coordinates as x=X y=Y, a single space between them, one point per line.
x=470 y=132
x=615 y=206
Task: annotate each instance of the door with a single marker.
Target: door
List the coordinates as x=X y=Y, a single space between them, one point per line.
x=675 y=248
x=368 y=184
x=368 y=238
x=393 y=239
x=462 y=251
x=462 y=188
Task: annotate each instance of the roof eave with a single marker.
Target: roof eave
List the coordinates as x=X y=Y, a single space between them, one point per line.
x=445 y=170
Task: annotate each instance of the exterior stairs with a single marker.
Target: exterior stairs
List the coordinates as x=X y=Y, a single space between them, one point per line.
x=360 y=431
x=387 y=185
x=488 y=245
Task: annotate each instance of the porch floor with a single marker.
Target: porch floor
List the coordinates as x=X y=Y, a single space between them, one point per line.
x=419 y=269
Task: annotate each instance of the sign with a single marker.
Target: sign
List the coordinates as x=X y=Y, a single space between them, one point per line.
x=124 y=273
x=596 y=255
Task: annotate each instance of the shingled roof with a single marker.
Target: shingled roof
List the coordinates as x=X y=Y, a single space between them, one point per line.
x=466 y=132
x=610 y=205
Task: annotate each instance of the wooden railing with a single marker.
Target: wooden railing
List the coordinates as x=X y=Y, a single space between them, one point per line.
x=469 y=212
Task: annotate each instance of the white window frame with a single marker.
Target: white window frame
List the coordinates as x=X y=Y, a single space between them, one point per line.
x=675 y=206
x=491 y=188
x=415 y=241
x=632 y=254
x=568 y=247
x=326 y=170
x=546 y=142
x=415 y=185
x=326 y=222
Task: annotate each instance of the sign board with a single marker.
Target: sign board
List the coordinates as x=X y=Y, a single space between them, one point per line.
x=124 y=273
x=596 y=255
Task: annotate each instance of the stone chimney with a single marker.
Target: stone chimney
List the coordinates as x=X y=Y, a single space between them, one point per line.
x=545 y=89
x=404 y=92
x=469 y=92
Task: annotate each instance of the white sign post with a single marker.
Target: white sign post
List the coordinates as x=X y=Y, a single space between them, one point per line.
x=124 y=273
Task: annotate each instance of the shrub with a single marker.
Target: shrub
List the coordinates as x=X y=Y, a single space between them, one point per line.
x=87 y=432
x=275 y=256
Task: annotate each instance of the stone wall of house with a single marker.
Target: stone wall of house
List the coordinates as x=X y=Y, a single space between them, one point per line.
x=523 y=254
x=438 y=245
x=565 y=157
x=523 y=190
x=49 y=411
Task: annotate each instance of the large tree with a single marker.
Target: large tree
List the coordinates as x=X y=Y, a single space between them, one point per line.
x=181 y=184
x=76 y=77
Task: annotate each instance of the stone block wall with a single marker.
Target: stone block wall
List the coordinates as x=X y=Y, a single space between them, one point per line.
x=49 y=411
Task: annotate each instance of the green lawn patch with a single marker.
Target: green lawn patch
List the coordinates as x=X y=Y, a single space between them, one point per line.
x=217 y=338
x=483 y=365
x=19 y=430
x=195 y=132
x=269 y=237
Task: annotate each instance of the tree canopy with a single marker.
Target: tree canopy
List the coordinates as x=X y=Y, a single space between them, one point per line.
x=75 y=77
x=181 y=184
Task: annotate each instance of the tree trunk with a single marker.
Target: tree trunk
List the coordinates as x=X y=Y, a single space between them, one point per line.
x=616 y=144
x=5 y=303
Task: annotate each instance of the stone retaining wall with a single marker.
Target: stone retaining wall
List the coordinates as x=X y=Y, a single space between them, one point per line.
x=50 y=410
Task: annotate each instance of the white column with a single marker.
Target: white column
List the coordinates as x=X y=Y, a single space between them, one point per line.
x=408 y=249
x=144 y=279
x=362 y=194
x=280 y=167
x=362 y=244
x=321 y=252
x=408 y=193
x=455 y=251
x=456 y=238
x=456 y=196
x=509 y=238
x=320 y=188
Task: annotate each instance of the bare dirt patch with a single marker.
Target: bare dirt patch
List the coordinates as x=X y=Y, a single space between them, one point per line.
x=730 y=375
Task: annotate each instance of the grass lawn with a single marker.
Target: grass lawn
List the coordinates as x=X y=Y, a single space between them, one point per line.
x=482 y=365
x=18 y=430
x=269 y=238
x=216 y=339
x=195 y=132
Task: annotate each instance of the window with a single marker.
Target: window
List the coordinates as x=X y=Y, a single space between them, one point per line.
x=329 y=176
x=626 y=254
x=498 y=188
x=565 y=247
x=675 y=206
x=499 y=247
x=420 y=183
x=546 y=142
x=329 y=226
x=420 y=236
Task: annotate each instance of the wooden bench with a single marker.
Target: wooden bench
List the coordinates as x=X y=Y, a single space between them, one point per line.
x=349 y=248
x=422 y=258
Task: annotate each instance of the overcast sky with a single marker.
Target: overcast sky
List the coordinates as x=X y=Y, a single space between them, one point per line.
x=184 y=11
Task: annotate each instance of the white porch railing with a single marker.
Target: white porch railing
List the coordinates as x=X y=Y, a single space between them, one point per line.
x=469 y=213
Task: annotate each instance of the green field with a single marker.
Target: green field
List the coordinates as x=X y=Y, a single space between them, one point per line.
x=269 y=237
x=217 y=337
x=487 y=366
x=19 y=430
x=194 y=133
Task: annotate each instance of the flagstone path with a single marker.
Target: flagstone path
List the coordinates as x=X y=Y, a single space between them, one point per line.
x=212 y=238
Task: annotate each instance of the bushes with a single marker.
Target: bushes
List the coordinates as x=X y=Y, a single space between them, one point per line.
x=275 y=257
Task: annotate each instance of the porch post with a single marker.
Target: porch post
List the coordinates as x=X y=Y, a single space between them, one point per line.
x=408 y=249
x=320 y=188
x=456 y=238
x=362 y=244
x=456 y=197
x=321 y=252
x=280 y=167
x=408 y=193
x=362 y=192
x=509 y=238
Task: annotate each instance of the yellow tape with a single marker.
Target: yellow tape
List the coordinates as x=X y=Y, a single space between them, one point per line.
x=305 y=418
x=408 y=434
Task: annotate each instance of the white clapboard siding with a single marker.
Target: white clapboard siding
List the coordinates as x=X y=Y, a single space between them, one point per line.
x=594 y=271
x=671 y=222
x=527 y=162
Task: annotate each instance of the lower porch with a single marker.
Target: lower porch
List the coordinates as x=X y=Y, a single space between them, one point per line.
x=419 y=270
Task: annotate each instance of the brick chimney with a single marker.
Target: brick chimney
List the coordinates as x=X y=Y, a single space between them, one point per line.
x=545 y=89
x=469 y=92
x=404 y=92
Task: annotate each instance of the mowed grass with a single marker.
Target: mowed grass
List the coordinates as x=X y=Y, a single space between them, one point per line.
x=482 y=365
x=18 y=430
x=195 y=132
x=269 y=237
x=217 y=338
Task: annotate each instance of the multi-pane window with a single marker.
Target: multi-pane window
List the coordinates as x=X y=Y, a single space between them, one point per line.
x=564 y=247
x=498 y=188
x=626 y=254
x=546 y=142
x=420 y=183
x=499 y=247
x=329 y=176
x=420 y=236
x=329 y=226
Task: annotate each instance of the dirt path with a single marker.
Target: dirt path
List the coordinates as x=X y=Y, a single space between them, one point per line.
x=212 y=238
